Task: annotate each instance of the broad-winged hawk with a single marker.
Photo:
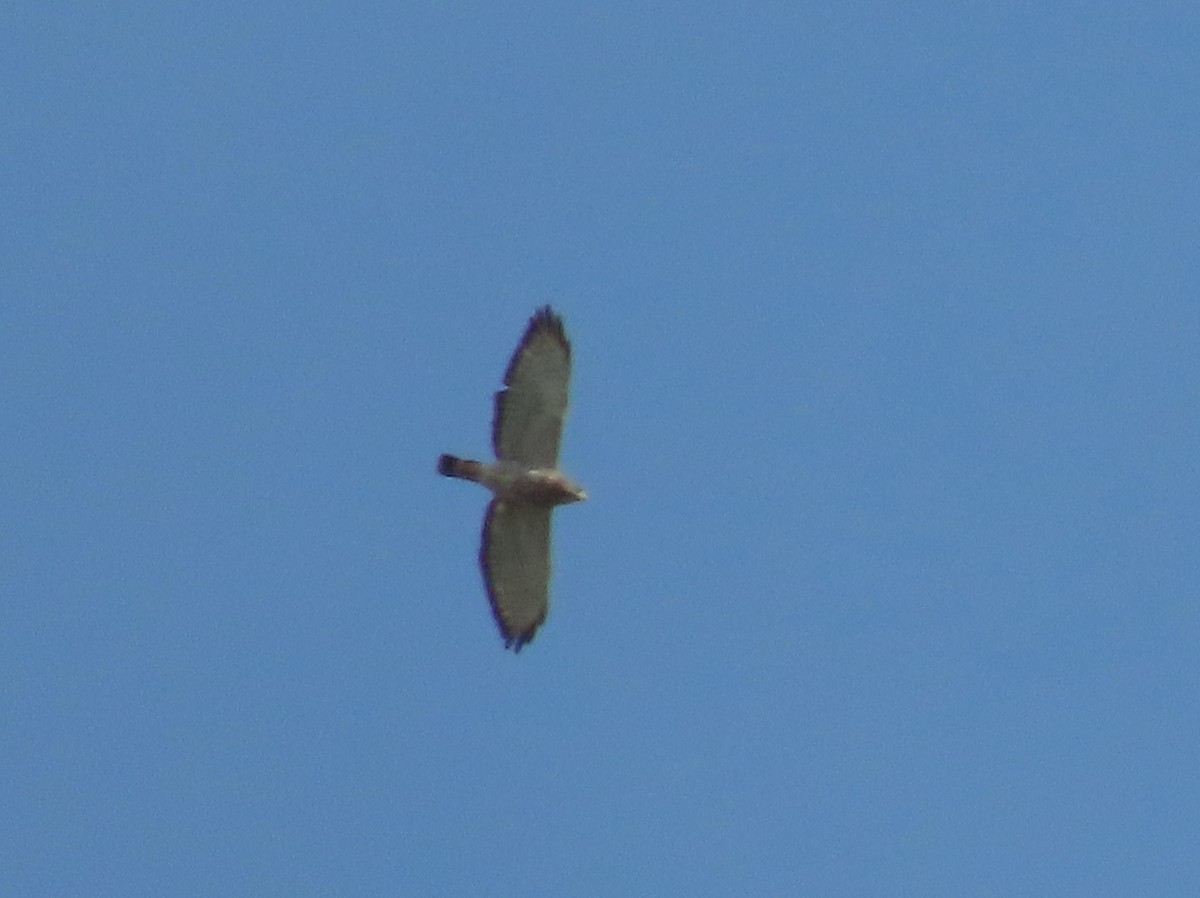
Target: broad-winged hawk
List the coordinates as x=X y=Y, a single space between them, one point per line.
x=526 y=483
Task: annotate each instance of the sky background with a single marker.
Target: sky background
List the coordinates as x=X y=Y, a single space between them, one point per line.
x=887 y=398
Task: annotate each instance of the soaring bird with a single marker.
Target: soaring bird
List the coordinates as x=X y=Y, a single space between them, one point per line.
x=526 y=483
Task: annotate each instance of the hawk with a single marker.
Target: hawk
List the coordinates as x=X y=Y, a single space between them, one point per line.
x=525 y=481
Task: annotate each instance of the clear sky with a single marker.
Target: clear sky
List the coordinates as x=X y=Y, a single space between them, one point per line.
x=886 y=322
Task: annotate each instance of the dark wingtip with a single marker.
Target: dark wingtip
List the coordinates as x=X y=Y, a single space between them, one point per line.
x=547 y=318
x=446 y=465
x=544 y=320
x=520 y=640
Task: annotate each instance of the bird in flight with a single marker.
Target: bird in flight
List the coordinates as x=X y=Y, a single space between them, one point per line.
x=525 y=480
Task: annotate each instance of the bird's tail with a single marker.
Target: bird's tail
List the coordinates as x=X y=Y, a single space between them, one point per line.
x=452 y=466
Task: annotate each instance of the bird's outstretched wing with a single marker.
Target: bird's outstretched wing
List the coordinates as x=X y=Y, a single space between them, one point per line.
x=527 y=421
x=515 y=557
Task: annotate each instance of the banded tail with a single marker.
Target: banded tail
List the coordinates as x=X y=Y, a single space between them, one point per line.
x=463 y=468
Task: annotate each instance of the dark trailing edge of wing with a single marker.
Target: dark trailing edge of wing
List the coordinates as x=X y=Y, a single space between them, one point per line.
x=512 y=640
x=497 y=416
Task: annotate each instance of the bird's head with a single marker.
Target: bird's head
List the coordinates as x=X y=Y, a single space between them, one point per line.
x=572 y=491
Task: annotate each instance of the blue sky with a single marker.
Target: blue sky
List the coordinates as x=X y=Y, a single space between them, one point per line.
x=886 y=397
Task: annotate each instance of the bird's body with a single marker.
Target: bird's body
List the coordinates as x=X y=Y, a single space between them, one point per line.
x=516 y=482
x=525 y=481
